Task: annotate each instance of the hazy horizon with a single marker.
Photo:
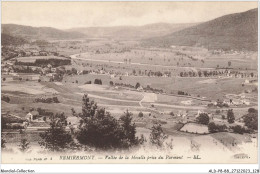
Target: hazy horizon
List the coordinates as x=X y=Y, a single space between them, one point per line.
x=114 y=14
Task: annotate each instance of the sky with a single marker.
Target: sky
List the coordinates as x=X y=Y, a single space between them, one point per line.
x=65 y=15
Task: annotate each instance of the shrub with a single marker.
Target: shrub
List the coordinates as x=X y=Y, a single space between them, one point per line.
x=212 y=127
x=137 y=85
x=47 y=100
x=24 y=145
x=239 y=129
x=140 y=114
x=5 y=98
x=171 y=113
x=88 y=82
x=252 y=110
x=98 y=81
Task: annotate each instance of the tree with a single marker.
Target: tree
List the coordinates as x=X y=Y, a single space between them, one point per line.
x=111 y=83
x=100 y=130
x=39 y=80
x=3 y=142
x=4 y=79
x=137 y=85
x=199 y=73
x=24 y=145
x=230 y=116
x=98 y=81
x=252 y=110
x=56 y=138
x=251 y=119
x=157 y=135
x=140 y=114
x=88 y=82
x=5 y=98
x=229 y=63
x=212 y=127
x=129 y=129
x=239 y=129
x=55 y=100
x=203 y=118
x=74 y=71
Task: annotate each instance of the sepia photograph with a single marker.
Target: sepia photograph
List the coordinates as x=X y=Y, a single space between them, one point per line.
x=129 y=82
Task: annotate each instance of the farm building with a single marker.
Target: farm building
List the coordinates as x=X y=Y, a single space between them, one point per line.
x=32 y=115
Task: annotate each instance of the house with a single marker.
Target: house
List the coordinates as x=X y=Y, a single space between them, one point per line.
x=246 y=81
x=140 y=88
x=49 y=66
x=53 y=70
x=43 y=53
x=35 y=53
x=32 y=115
x=112 y=76
x=79 y=72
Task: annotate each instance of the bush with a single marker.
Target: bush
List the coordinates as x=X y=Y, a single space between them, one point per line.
x=137 y=85
x=47 y=100
x=218 y=111
x=239 y=129
x=252 y=110
x=98 y=81
x=111 y=83
x=140 y=114
x=203 y=118
x=171 y=113
x=24 y=145
x=212 y=127
x=88 y=82
x=5 y=98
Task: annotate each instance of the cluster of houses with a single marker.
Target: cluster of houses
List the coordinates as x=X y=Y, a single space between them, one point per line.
x=9 y=72
x=30 y=120
x=26 y=51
